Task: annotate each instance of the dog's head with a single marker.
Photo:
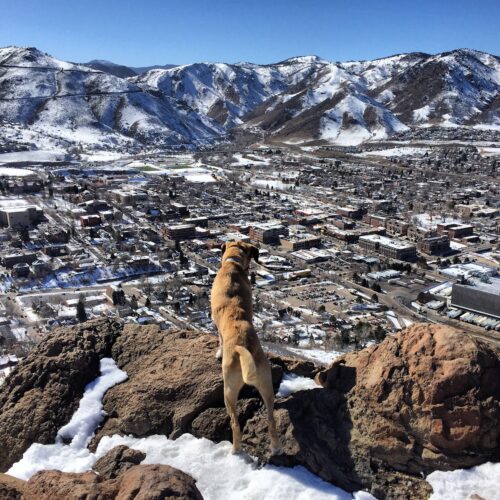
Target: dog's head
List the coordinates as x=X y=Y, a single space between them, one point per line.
x=241 y=252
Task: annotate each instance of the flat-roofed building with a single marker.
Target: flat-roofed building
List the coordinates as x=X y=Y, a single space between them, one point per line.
x=478 y=296
x=435 y=245
x=20 y=217
x=388 y=247
x=267 y=232
x=180 y=232
x=300 y=241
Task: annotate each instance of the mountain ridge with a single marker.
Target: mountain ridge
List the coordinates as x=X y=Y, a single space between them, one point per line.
x=300 y=99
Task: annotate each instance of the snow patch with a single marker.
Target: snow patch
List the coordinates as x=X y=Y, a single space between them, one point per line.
x=291 y=383
x=462 y=484
x=73 y=457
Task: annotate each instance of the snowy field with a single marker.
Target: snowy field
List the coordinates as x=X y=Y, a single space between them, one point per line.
x=31 y=156
x=15 y=172
x=219 y=474
x=401 y=151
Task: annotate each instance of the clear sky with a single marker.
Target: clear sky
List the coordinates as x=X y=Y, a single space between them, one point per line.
x=146 y=32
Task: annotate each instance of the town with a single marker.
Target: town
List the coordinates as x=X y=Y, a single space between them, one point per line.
x=355 y=242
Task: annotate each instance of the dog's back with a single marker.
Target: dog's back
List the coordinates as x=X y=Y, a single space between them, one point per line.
x=243 y=360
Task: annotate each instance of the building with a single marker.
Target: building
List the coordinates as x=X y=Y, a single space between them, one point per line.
x=350 y=212
x=18 y=258
x=180 y=232
x=478 y=296
x=396 y=227
x=20 y=217
x=436 y=245
x=267 y=232
x=90 y=220
x=388 y=247
x=300 y=241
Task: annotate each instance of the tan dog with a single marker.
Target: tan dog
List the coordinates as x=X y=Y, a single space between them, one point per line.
x=243 y=360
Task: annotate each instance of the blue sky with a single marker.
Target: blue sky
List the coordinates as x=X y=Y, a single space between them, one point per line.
x=146 y=32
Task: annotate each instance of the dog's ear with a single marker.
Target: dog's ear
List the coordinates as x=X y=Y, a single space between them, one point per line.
x=254 y=253
x=223 y=249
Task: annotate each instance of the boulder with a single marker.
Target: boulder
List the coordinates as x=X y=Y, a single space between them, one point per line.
x=140 y=482
x=117 y=461
x=173 y=376
x=43 y=392
x=424 y=399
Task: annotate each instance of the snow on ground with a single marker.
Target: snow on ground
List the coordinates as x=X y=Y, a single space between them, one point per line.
x=15 y=172
x=489 y=151
x=219 y=474
x=31 y=156
x=454 y=245
x=239 y=160
x=102 y=156
x=401 y=151
x=73 y=457
x=463 y=484
x=291 y=383
x=317 y=355
x=425 y=221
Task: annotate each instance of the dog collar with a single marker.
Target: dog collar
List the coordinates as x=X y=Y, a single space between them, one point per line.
x=233 y=259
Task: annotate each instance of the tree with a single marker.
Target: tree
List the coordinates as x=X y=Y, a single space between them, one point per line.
x=375 y=297
x=148 y=302
x=133 y=302
x=81 y=313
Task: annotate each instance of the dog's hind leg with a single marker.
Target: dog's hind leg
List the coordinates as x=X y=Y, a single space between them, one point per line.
x=233 y=382
x=265 y=387
x=218 y=354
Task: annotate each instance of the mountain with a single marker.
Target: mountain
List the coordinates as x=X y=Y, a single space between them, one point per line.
x=121 y=70
x=111 y=68
x=139 y=70
x=301 y=99
x=63 y=104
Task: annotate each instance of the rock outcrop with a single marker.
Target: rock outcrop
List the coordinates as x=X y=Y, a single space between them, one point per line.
x=426 y=398
x=43 y=392
x=140 y=482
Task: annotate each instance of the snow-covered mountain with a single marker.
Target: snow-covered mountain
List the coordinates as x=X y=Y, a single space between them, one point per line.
x=301 y=99
x=75 y=104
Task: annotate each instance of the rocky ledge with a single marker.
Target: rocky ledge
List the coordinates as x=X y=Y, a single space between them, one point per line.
x=425 y=399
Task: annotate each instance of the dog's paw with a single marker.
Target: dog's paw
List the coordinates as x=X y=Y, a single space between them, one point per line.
x=218 y=355
x=277 y=451
x=236 y=451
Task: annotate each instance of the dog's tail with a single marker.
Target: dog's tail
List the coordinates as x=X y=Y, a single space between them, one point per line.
x=248 y=366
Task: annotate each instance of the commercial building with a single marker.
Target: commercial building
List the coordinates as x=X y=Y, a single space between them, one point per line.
x=388 y=247
x=20 y=217
x=180 y=232
x=479 y=296
x=436 y=245
x=268 y=233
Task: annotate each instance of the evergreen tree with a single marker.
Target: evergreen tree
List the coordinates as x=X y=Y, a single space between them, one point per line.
x=81 y=313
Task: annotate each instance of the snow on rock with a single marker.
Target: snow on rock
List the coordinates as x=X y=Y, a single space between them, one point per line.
x=463 y=484
x=73 y=457
x=291 y=383
x=221 y=475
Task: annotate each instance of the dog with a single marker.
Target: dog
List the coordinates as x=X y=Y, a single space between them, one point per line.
x=243 y=360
